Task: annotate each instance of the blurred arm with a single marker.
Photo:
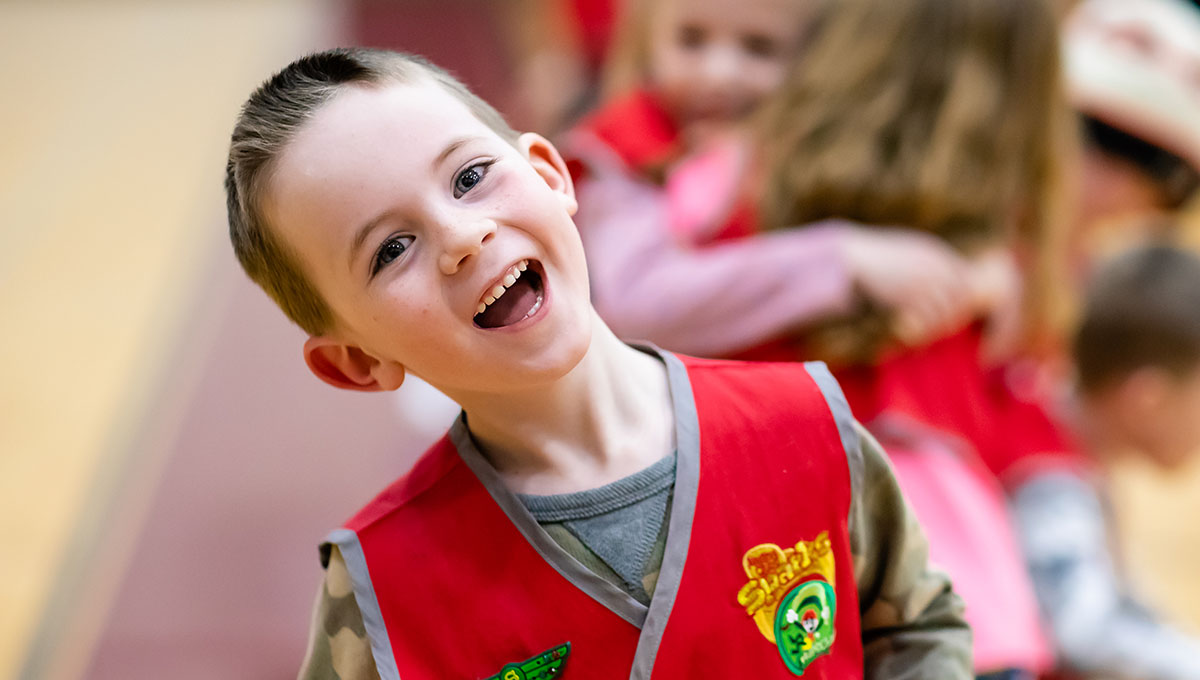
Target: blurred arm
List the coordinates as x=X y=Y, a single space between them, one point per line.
x=912 y=621
x=1096 y=625
x=710 y=301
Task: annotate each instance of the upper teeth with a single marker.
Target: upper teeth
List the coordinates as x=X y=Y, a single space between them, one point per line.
x=498 y=290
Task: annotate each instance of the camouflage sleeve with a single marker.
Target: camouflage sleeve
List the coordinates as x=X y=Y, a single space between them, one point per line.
x=912 y=621
x=338 y=648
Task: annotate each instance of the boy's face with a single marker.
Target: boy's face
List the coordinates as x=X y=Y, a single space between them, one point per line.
x=409 y=215
x=1156 y=414
x=712 y=61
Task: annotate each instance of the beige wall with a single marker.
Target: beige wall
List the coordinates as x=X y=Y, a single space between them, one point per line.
x=115 y=116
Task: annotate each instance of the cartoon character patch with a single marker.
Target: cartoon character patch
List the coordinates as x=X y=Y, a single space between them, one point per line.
x=791 y=598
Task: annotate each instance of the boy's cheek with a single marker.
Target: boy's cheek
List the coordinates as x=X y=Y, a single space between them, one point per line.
x=1177 y=431
x=1188 y=445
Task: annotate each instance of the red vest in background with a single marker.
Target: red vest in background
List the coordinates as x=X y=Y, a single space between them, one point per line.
x=634 y=130
x=757 y=580
x=945 y=385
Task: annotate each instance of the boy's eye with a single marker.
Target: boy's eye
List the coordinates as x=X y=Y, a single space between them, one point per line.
x=470 y=177
x=390 y=250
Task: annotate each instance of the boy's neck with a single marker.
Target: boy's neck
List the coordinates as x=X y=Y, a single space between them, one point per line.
x=608 y=418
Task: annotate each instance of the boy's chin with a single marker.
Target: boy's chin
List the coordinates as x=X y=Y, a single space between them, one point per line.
x=565 y=355
x=538 y=369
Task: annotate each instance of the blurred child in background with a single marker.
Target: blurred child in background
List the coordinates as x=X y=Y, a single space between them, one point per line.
x=1137 y=359
x=686 y=73
x=950 y=119
x=1133 y=72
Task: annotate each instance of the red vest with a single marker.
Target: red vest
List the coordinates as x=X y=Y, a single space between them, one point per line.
x=455 y=580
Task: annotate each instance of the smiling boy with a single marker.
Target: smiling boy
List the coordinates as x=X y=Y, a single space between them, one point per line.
x=598 y=510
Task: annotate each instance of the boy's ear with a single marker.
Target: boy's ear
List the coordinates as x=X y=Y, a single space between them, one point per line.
x=349 y=367
x=548 y=163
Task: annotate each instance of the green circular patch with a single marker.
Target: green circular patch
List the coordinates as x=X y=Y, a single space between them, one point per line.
x=804 y=624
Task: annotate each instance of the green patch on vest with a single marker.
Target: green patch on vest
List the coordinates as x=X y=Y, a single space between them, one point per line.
x=804 y=624
x=549 y=664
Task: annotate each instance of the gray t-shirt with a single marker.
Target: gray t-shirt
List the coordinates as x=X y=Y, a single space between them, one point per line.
x=619 y=530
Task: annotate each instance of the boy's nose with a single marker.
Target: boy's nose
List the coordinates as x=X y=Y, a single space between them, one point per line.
x=464 y=242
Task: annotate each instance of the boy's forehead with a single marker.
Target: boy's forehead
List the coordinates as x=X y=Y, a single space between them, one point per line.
x=365 y=149
x=419 y=117
x=371 y=136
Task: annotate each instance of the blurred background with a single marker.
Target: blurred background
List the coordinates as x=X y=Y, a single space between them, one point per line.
x=167 y=464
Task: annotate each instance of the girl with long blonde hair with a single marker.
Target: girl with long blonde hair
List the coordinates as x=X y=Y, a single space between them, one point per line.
x=685 y=73
x=947 y=118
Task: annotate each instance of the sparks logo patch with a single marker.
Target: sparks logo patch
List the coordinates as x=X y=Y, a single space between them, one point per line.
x=790 y=596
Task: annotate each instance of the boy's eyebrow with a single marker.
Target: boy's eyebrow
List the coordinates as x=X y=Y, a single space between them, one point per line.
x=451 y=148
x=361 y=236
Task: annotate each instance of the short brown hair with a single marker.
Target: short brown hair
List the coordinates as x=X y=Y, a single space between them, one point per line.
x=1142 y=309
x=268 y=122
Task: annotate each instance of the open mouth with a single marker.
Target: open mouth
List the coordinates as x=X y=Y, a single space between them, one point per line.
x=516 y=297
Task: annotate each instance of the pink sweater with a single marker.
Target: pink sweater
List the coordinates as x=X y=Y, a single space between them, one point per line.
x=650 y=282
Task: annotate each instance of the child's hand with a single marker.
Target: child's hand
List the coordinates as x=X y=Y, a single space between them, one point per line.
x=920 y=278
x=998 y=295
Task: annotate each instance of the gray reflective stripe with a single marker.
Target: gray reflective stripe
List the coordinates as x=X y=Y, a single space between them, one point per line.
x=837 y=403
x=620 y=602
x=683 y=511
x=368 y=604
x=847 y=431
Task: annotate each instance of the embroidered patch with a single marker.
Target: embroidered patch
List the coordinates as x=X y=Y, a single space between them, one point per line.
x=790 y=596
x=548 y=664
